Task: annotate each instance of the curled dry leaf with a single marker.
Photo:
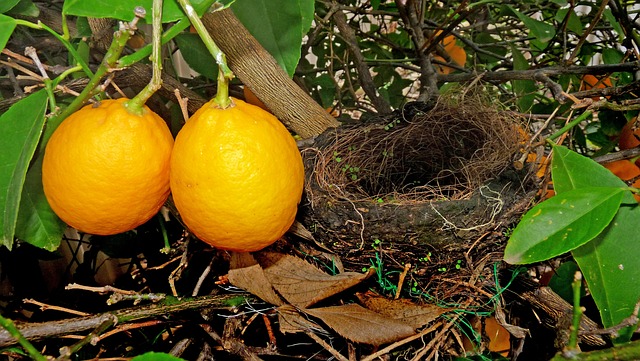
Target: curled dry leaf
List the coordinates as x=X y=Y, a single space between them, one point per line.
x=301 y=283
x=246 y=273
x=292 y=321
x=361 y=325
x=403 y=311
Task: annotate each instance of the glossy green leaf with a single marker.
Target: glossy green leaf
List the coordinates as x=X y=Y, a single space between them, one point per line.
x=20 y=130
x=123 y=9
x=7 y=5
x=562 y=223
x=7 y=25
x=524 y=89
x=561 y=281
x=25 y=8
x=156 y=356
x=573 y=21
x=37 y=223
x=543 y=32
x=279 y=25
x=196 y=55
x=610 y=263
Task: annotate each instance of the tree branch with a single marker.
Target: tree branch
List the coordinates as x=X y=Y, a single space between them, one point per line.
x=260 y=71
x=366 y=81
x=36 y=331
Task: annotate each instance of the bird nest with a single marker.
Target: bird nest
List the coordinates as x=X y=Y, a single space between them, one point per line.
x=446 y=152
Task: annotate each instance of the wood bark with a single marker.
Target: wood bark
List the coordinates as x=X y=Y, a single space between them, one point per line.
x=257 y=69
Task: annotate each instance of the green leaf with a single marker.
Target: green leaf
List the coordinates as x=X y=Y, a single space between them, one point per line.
x=21 y=127
x=614 y=23
x=612 y=56
x=156 y=356
x=278 y=25
x=562 y=223
x=7 y=5
x=25 y=8
x=610 y=263
x=195 y=53
x=7 y=24
x=573 y=23
x=37 y=224
x=524 y=89
x=123 y=9
x=561 y=281
x=542 y=31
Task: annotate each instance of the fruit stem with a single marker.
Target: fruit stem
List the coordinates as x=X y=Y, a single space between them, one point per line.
x=62 y=39
x=120 y=39
x=136 y=105
x=570 y=125
x=577 y=312
x=146 y=50
x=224 y=73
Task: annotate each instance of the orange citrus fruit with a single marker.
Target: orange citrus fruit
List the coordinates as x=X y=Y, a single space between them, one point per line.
x=457 y=54
x=628 y=137
x=106 y=170
x=252 y=99
x=590 y=81
x=236 y=176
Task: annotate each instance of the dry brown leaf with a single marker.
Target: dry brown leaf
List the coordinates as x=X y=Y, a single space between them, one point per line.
x=499 y=339
x=246 y=273
x=292 y=321
x=402 y=310
x=301 y=283
x=361 y=325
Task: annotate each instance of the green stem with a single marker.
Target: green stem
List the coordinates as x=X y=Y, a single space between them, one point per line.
x=65 y=74
x=165 y=236
x=67 y=351
x=570 y=125
x=577 y=312
x=145 y=51
x=224 y=73
x=13 y=331
x=65 y=42
x=120 y=39
x=136 y=105
x=65 y=27
x=49 y=85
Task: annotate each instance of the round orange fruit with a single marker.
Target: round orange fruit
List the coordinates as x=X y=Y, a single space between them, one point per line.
x=105 y=170
x=628 y=136
x=252 y=99
x=236 y=176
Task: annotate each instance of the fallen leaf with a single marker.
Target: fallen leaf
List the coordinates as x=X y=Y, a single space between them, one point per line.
x=404 y=311
x=292 y=321
x=301 y=283
x=499 y=337
x=361 y=325
x=489 y=329
x=246 y=273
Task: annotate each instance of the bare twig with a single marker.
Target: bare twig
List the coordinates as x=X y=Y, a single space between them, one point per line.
x=592 y=25
x=395 y=345
x=45 y=307
x=326 y=346
x=366 y=80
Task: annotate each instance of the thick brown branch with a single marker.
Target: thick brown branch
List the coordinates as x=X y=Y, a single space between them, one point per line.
x=507 y=75
x=260 y=71
x=36 y=331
